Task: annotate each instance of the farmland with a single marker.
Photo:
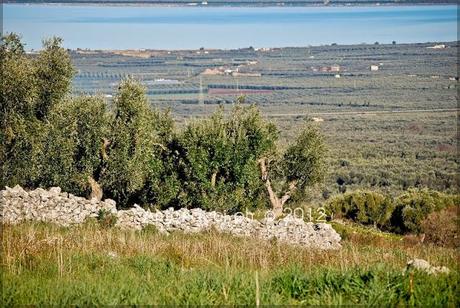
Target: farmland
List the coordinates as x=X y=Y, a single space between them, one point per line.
x=386 y=113
x=386 y=130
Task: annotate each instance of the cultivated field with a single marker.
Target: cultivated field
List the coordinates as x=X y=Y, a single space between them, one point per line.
x=388 y=115
x=387 y=129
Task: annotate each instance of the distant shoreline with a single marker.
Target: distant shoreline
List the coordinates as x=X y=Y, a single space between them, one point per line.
x=261 y=49
x=230 y=5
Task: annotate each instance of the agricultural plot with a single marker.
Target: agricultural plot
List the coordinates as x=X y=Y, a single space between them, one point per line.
x=387 y=129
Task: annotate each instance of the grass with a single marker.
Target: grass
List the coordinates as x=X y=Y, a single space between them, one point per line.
x=46 y=264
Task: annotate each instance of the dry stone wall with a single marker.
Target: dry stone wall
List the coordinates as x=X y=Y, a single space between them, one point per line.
x=17 y=205
x=51 y=205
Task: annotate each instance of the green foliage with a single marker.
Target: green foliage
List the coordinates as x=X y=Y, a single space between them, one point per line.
x=53 y=75
x=133 y=149
x=402 y=215
x=17 y=86
x=106 y=219
x=412 y=207
x=72 y=150
x=216 y=159
x=21 y=149
x=365 y=207
x=22 y=87
x=303 y=160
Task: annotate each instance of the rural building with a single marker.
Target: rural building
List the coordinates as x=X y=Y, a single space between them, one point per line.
x=317 y=119
x=335 y=68
x=229 y=71
x=440 y=46
x=212 y=71
x=374 y=68
x=332 y=68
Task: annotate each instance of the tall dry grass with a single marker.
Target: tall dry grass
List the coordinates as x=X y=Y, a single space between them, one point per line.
x=23 y=243
x=95 y=265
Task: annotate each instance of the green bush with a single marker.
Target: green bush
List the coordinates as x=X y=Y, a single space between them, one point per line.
x=364 y=207
x=404 y=214
x=412 y=207
x=106 y=219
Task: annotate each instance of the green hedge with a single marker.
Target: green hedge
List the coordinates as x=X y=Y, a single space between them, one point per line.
x=403 y=214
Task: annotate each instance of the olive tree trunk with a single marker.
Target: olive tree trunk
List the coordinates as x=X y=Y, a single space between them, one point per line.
x=276 y=202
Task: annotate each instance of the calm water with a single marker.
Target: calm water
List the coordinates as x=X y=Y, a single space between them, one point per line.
x=186 y=27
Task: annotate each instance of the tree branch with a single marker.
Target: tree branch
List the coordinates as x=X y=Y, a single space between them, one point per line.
x=161 y=146
x=213 y=179
x=274 y=200
x=287 y=195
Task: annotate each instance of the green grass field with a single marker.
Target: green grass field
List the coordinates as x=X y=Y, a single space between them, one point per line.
x=45 y=264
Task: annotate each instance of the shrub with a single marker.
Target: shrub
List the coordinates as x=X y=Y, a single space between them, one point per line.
x=441 y=228
x=365 y=207
x=414 y=206
x=405 y=214
x=106 y=219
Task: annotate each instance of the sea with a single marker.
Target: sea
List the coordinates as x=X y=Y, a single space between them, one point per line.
x=184 y=27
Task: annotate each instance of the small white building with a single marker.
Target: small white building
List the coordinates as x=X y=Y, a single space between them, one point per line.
x=374 y=68
x=440 y=46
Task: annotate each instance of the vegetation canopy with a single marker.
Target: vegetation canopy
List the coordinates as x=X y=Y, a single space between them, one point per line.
x=132 y=153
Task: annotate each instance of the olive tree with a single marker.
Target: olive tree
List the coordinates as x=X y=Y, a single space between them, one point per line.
x=21 y=132
x=301 y=165
x=132 y=145
x=217 y=159
x=53 y=75
x=29 y=88
x=73 y=151
x=17 y=86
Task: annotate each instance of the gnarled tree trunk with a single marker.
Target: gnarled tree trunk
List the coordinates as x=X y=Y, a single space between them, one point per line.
x=96 y=190
x=276 y=202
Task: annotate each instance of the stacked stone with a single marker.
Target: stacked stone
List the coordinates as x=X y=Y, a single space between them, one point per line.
x=17 y=205
x=54 y=206
x=289 y=229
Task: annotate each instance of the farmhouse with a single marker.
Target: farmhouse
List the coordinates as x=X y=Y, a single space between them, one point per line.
x=374 y=67
x=333 y=68
x=212 y=71
x=440 y=46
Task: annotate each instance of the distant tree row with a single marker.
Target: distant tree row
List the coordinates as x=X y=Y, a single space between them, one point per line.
x=133 y=153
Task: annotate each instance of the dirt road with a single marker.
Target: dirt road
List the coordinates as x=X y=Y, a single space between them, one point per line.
x=374 y=112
